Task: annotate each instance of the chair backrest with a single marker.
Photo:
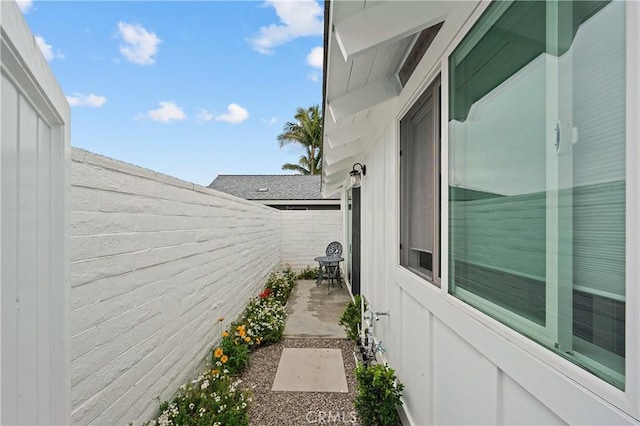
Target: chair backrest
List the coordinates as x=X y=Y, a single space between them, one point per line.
x=334 y=249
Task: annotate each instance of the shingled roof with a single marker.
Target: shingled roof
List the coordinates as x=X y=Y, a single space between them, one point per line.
x=271 y=187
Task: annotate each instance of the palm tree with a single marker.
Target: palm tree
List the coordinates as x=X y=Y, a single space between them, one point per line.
x=306 y=131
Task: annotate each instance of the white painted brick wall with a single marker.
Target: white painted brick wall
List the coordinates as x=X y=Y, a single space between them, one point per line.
x=305 y=234
x=155 y=261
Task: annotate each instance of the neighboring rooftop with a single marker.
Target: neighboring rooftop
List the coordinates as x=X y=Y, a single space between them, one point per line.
x=271 y=187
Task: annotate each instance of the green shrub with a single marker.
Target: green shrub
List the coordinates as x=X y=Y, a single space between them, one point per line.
x=308 y=273
x=351 y=318
x=212 y=399
x=378 y=395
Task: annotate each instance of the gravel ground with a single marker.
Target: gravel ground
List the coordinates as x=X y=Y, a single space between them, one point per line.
x=298 y=408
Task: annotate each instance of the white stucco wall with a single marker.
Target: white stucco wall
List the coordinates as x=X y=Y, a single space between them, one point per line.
x=305 y=234
x=154 y=262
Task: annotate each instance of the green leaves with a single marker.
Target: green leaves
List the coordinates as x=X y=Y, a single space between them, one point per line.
x=378 y=395
x=306 y=131
x=351 y=318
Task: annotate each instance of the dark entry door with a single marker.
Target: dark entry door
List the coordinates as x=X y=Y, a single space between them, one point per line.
x=355 y=242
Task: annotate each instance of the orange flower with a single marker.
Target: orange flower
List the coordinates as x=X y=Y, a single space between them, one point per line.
x=247 y=339
x=242 y=333
x=214 y=372
x=240 y=328
x=225 y=334
x=217 y=353
x=224 y=359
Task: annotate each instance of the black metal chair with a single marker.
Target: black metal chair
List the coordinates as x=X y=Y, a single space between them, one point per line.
x=332 y=269
x=334 y=249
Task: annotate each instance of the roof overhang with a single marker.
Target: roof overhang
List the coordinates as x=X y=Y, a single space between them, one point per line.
x=366 y=44
x=323 y=202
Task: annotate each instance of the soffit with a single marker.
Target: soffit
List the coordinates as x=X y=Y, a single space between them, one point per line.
x=367 y=43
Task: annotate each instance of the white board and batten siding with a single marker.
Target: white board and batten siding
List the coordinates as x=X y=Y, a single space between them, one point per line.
x=457 y=366
x=34 y=159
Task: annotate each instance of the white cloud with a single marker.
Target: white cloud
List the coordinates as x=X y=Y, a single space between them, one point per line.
x=269 y=121
x=138 y=45
x=25 y=5
x=203 y=116
x=47 y=49
x=315 y=58
x=90 y=100
x=167 y=112
x=314 y=76
x=297 y=19
x=235 y=114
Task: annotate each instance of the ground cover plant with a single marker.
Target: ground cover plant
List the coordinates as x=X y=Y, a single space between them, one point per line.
x=213 y=398
x=308 y=273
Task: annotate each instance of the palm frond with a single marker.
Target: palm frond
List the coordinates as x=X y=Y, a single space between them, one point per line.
x=306 y=131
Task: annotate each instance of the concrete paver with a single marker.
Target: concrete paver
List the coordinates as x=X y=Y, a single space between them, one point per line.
x=310 y=370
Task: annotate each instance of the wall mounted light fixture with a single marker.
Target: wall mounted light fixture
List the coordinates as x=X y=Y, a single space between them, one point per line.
x=356 y=175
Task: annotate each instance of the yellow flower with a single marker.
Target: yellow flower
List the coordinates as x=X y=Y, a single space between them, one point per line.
x=242 y=333
x=224 y=358
x=247 y=339
x=225 y=334
x=217 y=353
x=258 y=340
x=240 y=328
x=220 y=319
x=215 y=372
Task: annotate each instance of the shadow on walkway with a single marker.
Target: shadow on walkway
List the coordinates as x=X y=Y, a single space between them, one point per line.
x=313 y=313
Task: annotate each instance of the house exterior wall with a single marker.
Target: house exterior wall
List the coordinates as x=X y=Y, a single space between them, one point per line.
x=155 y=261
x=305 y=234
x=459 y=366
x=34 y=159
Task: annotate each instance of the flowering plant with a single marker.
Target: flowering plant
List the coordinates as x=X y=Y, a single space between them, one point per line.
x=232 y=353
x=264 y=320
x=280 y=283
x=266 y=293
x=211 y=399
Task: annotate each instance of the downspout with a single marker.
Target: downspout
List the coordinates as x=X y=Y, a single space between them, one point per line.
x=325 y=60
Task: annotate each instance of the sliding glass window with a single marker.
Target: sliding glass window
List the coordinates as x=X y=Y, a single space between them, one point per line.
x=537 y=117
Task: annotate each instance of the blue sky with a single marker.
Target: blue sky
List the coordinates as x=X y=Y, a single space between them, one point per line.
x=190 y=89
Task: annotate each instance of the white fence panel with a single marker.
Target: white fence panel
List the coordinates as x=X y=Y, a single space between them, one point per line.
x=34 y=365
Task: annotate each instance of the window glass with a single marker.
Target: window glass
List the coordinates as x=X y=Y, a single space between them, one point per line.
x=537 y=175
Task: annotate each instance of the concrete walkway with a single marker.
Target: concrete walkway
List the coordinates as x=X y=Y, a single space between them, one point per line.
x=311 y=312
